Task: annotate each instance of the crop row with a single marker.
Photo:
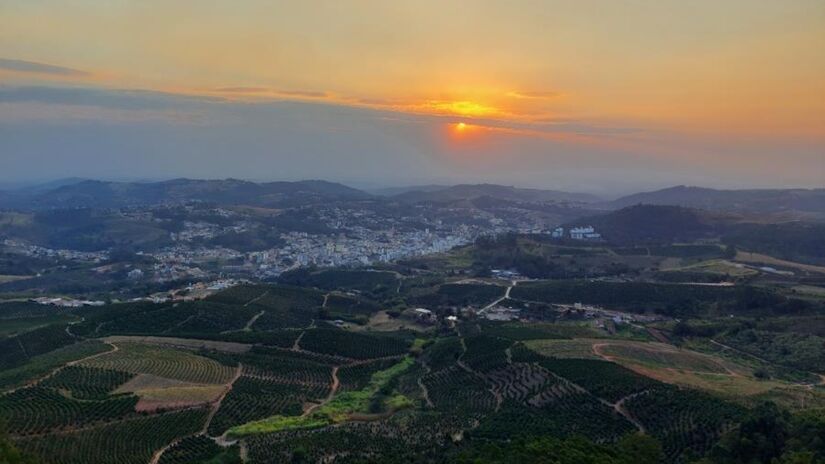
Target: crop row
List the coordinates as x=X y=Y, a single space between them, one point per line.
x=255 y=398
x=37 y=410
x=87 y=383
x=683 y=420
x=358 y=376
x=604 y=379
x=129 y=442
x=352 y=345
x=456 y=390
x=177 y=364
x=200 y=449
x=16 y=350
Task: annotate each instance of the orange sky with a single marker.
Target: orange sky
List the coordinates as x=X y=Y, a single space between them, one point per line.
x=632 y=73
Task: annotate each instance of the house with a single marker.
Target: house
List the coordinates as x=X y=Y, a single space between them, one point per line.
x=584 y=233
x=424 y=314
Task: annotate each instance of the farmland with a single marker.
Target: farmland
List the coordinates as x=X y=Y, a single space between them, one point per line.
x=261 y=372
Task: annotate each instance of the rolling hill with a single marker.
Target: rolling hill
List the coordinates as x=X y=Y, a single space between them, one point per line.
x=752 y=201
x=100 y=194
x=500 y=192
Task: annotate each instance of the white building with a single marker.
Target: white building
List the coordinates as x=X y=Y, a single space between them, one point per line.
x=584 y=233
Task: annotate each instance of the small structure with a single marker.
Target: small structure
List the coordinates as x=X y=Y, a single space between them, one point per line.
x=135 y=274
x=425 y=315
x=584 y=233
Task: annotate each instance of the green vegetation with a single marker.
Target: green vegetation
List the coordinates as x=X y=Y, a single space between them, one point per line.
x=200 y=450
x=538 y=331
x=252 y=399
x=459 y=295
x=170 y=363
x=86 y=383
x=686 y=422
x=41 y=365
x=128 y=442
x=670 y=299
x=805 y=352
x=336 y=410
x=604 y=379
x=16 y=350
x=632 y=449
x=38 y=410
x=336 y=342
x=373 y=283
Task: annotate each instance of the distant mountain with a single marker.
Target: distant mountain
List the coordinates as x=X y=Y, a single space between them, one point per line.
x=501 y=192
x=50 y=185
x=750 y=201
x=99 y=194
x=798 y=241
x=642 y=224
x=393 y=191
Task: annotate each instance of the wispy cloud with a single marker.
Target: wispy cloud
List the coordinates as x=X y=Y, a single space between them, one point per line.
x=273 y=92
x=535 y=95
x=39 y=68
x=242 y=90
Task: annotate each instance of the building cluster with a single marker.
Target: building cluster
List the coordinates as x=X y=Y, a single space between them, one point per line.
x=35 y=251
x=577 y=233
x=66 y=302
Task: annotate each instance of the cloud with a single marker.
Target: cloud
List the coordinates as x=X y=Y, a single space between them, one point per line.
x=536 y=95
x=39 y=68
x=103 y=98
x=303 y=93
x=276 y=92
x=242 y=89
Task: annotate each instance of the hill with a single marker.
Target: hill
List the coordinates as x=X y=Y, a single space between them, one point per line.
x=655 y=224
x=754 y=201
x=501 y=192
x=796 y=241
x=100 y=194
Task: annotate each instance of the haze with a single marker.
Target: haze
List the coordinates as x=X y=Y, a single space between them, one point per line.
x=586 y=96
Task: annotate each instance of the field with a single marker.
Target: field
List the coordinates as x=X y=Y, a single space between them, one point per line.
x=128 y=442
x=39 y=366
x=711 y=373
x=765 y=260
x=352 y=345
x=16 y=325
x=197 y=449
x=185 y=343
x=164 y=362
x=258 y=366
x=339 y=408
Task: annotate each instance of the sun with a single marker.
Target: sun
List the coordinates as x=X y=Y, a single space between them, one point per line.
x=460 y=127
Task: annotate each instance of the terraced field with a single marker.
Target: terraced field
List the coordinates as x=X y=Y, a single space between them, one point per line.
x=165 y=362
x=658 y=355
x=200 y=449
x=131 y=441
x=37 y=410
x=86 y=383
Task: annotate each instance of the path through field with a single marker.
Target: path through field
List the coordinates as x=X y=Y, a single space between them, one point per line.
x=215 y=406
x=60 y=368
x=333 y=389
x=424 y=391
x=618 y=406
x=248 y=325
x=499 y=300
x=253 y=300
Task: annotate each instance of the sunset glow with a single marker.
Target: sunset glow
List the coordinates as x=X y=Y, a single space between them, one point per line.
x=736 y=83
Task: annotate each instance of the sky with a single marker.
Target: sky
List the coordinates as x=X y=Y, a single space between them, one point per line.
x=598 y=96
